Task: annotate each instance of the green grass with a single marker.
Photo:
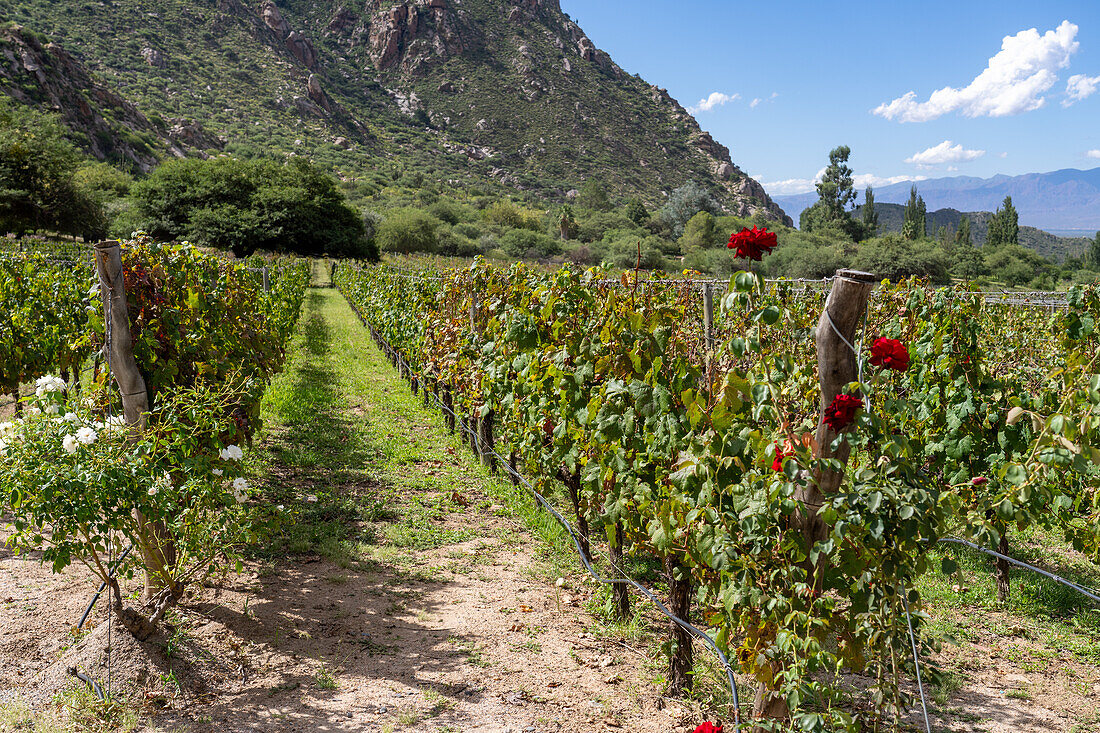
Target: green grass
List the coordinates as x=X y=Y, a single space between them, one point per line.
x=365 y=470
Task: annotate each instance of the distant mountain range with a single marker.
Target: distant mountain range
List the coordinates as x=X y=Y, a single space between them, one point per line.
x=1065 y=202
x=892 y=216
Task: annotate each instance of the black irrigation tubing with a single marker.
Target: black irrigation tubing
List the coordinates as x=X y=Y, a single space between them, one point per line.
x=111 y=570
x=89 y=681
x=1019 y=563
x=692 y=630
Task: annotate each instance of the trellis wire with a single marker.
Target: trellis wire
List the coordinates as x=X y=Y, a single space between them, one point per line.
x=1023 y=298
x=688 y=627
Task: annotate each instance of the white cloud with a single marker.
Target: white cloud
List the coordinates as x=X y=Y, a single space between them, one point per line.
x=716 y=99
x=1093 y=154
x=791 y=186
x=1080 y=86
x=1013 y=82
x=1003 y=154
x=945 y=152
x=760 y=100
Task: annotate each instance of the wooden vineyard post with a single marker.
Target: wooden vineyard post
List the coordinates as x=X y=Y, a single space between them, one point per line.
x=120 y=356
x=681 y=660
x=708 y=333
x=267 y=280
x=837 y=366
x=159 y=551
x=620 y=594
x=486 y=440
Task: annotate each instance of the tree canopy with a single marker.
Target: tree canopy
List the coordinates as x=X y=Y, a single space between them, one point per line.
x=245 y=205
x=37 y=168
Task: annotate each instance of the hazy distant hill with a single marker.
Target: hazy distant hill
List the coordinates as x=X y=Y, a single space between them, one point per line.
x=891 y=216
x=1062 y=200
x=505 y=91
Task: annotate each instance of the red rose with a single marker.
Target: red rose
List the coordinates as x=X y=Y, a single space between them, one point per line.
x=979 y=481
x=890 y=354
x=708 y=727
x=780 y=454
x=840 y=413
x=753 y=244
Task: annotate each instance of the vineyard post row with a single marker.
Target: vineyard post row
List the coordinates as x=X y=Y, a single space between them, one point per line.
x=841 y=316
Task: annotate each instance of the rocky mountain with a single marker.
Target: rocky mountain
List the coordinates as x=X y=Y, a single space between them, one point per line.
x=510 y=92
x=1063 y=201
x=892 y=216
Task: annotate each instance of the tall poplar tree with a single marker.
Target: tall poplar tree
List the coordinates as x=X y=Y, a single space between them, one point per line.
x=1004 y=227
x=913 y=224
x=870 y=216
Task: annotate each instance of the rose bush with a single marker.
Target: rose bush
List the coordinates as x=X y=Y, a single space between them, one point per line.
x=107 y=483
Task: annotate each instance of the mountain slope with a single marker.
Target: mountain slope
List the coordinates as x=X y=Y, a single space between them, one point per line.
x=1059 y=201
x=510 y=91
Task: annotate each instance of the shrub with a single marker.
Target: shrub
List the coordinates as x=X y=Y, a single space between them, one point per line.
x=407 y=230
x=525 y=243
x=508 y=215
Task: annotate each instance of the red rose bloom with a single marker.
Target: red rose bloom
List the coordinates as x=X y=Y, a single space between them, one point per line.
x=753 y=244
x=889 y=354
x=780 y=454
x=708 y=727
x=840 y=413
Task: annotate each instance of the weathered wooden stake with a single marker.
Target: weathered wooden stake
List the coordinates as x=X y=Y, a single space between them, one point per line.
x=486 y=439
x=157 y=548
x=267 y=280
x=681 y=662
x=619 y=591
x=837 y=366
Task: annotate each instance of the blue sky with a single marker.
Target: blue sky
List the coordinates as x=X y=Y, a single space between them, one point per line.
x=819 y=71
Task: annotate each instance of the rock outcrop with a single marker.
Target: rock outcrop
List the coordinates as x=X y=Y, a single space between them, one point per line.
x=108 y=125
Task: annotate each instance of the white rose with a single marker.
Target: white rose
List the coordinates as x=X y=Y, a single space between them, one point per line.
x=231 y=453
x=239 y=484
x=86 y=436
x=153 y=491
x=217 y=471
x=69 y=444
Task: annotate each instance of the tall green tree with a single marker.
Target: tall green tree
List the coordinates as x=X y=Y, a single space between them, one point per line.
x=962 y=236
x=835 y=193
x=914 y=216
x=245 y=205
x=870 y=216
x=37 y=168
x=1094 y=253
x=566 y=222
x=837 y=190
x=1004 y=227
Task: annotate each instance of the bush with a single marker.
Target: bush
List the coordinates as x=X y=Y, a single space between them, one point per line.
x=246 y=205
x=508 y=215
x=408 y=230
x=525 y=243
x=450 y=212
x=895 y=258
x=684 y=203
